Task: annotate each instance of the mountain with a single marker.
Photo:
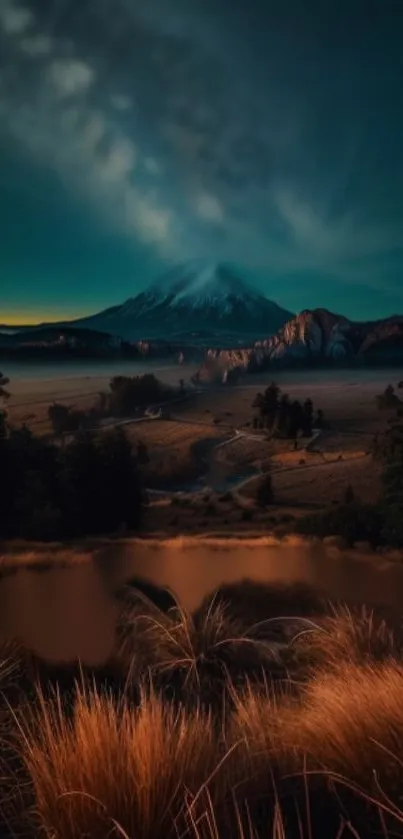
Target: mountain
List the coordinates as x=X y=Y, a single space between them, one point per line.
x=317 y=336
x=195 y=303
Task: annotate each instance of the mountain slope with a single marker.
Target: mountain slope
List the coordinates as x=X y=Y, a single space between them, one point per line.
x=196 y=301
x=318 y=336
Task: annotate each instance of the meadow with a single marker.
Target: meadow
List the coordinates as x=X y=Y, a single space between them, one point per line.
x=266 y=712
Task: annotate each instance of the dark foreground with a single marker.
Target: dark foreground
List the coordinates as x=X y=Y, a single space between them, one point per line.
x=266 y=713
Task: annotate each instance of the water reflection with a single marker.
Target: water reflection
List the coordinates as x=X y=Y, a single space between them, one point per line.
x=70 y=612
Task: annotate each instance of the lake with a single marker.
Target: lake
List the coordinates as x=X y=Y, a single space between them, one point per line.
x=70 y=611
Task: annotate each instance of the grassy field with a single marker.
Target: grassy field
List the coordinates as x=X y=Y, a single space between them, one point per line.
x=232 y=722
x=177 y=450
x=184 y=451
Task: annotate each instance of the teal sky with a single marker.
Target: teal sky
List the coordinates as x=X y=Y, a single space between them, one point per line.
x=266 y=135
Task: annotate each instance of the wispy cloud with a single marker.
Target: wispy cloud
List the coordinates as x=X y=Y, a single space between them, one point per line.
x=70 y=77
x=15 y=20
x=168 y=128
x=208 y=207
x=91 y=152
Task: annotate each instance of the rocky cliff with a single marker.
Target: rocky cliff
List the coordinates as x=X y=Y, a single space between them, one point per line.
x=317 y=336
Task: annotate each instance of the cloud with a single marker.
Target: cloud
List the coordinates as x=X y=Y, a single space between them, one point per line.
x=152 y=166
x=37 y=46
x=208 y=207
x=89 y=150
x=152 y=222
x=15 y=20
x=119 y=162
x=70 y=77
x=121 y=102
x=249 y=166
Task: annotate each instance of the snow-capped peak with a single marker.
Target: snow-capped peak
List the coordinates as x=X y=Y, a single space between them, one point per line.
x=198 y=286
x=192 y=299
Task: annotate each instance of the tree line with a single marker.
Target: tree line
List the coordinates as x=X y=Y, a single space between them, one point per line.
x=284 y=417
x=89 y=486
x=126 y=395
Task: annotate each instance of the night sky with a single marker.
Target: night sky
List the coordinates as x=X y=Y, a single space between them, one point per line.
x=137 y=134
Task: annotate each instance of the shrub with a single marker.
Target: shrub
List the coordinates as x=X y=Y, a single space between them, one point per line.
x=64 y=419
x=354 y=522
x=127 y=394
x=388 y=399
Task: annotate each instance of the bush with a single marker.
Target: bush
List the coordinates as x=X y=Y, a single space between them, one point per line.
x=127 y=394
x=388 y=399
x=65 y=420
x=354 y=522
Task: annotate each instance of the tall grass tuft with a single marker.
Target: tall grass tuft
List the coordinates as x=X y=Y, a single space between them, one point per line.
x=344 y=636
x=197 y=659
x=14 y=786
x=118 y=771
x=344 y=735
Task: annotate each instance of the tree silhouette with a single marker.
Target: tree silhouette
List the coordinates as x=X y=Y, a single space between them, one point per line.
x=267 y=404
x=283 y=417
x=142 y=454
x=307 y=418
x=264 y=494
x=91 y=485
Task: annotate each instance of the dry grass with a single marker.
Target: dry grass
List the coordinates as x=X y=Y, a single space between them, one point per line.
x=338 y=746
x=153 y=771
x=197 y=658
x=351 y=723
x=344 y=637
x=277 y=764
x=175 y=436
x=118 y=771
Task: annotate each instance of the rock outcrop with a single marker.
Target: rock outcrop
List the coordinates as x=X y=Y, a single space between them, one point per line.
x=318 y=336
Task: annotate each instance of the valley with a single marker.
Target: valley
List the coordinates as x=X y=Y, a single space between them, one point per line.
x=206 y=461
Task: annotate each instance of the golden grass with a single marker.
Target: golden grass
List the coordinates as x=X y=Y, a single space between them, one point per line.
x=199 y=657
x=153 y=771
x=171 y=434
x=351 y=723
x=344 y=637
x=199 y=768
x=118 y=771
x=346 y=725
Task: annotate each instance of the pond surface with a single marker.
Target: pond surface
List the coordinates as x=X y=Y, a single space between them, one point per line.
x=70 y=611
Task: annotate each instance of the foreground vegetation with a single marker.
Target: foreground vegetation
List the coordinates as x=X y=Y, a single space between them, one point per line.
x=211 y=725
x=86 y=486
